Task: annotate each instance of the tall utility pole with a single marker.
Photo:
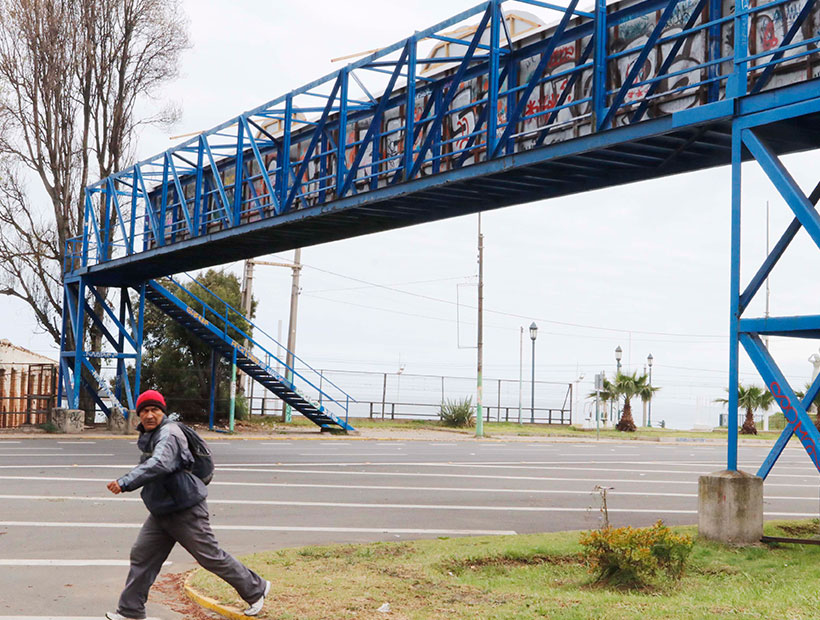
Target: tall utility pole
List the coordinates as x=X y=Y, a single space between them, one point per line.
x=294 y=306
x=247 y=303
x=247 y=293
x=479 y=422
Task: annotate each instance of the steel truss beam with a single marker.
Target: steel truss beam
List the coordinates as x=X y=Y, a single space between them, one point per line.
x=121 y=323
x=746 y=136
x=273 y=159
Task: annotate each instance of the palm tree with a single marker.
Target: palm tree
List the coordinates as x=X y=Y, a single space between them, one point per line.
x=626 y=386
x=645 y=392
x=751 y=398
x=605 y=395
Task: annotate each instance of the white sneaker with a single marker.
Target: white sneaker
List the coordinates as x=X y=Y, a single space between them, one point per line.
x=113 y=615
x=257 y=606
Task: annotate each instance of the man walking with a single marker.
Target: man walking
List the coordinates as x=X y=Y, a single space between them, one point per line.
x=179 y=514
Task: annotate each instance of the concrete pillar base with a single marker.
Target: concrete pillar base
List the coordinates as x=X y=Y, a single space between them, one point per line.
x=730 y=507
x=118 y=424
x=68 y=420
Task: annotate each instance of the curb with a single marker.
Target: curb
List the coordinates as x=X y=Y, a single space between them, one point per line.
x=209 y=603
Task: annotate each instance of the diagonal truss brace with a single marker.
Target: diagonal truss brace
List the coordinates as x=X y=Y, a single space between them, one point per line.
x=793 y=409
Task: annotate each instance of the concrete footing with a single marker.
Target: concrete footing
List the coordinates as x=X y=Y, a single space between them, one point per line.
x=68 y=420
x=730 y=507
x=118 y=424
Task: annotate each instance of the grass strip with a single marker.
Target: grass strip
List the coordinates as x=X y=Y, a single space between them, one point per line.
x=527 y=577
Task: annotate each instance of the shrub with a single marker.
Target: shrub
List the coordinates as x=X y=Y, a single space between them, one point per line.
x=630 y=558
x=457 y=413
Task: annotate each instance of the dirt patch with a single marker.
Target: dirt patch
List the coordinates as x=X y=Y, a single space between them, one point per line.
x=168 y=590
x=511 y=561
x=801 y=530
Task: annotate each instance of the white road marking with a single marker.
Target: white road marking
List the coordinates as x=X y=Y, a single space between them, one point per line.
x=78 y=442
x=268 y=528
x=358 y=454
x=271 y=443
x=56 y=618
x=2 y=447
x=38 y=562
x=61 y=454
x=376 y=505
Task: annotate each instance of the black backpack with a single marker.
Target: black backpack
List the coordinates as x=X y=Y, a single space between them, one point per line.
x=203 y=467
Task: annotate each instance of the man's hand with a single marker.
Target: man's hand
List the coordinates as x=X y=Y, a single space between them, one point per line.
x=114 y=487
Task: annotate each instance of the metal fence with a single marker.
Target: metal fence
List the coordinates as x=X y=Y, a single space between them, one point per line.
x=26 y=393
x=392 y=396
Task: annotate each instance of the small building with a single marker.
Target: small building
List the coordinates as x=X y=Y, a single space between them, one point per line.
x=28 y=386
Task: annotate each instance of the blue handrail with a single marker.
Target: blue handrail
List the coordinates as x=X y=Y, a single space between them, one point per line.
x=230 y=325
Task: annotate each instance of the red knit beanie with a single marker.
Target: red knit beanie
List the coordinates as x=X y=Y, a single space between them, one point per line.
x=150 y=398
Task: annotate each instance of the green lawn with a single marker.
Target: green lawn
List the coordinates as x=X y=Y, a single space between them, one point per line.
x=527 y=577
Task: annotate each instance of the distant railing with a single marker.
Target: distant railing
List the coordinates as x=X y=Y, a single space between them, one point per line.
x=414 y=396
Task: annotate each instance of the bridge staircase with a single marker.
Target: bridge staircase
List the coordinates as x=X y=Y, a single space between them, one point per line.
x=228 y=334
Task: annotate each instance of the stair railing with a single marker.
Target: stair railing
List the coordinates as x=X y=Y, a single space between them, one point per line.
x=225 y=319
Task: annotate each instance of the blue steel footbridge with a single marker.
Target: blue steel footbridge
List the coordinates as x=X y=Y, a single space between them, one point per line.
x=505 y=103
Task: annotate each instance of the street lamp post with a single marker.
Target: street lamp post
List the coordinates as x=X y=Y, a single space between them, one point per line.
x=619 y=353
x=533 y=336
x=649 y=360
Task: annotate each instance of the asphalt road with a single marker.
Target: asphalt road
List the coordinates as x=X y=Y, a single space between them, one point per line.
x=64 y=539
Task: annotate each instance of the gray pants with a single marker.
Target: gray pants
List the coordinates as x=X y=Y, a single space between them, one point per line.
x=191 y=529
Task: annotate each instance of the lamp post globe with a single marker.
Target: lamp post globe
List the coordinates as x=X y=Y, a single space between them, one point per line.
x=619 y=353
x=533 y=331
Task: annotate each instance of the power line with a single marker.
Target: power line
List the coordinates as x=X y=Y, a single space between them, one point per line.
x=509 y=314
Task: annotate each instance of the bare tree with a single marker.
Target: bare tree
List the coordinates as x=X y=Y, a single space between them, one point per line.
x=72 y=73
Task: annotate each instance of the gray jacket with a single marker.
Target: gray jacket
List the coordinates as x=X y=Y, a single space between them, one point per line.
x=164 y=471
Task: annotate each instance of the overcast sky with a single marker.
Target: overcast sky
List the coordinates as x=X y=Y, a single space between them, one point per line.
x=645 y=266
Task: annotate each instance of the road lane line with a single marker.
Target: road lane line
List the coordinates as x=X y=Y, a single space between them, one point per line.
x=39 y=562
x=56 y=618
x=268 y=528
x=61 y=454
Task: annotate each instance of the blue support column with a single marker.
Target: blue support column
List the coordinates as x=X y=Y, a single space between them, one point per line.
x=211 y=412
x=599 y=71
x=79 y=335
x=341 y=141
x=734 y=297
x=492 y=88
x=140 y=328
x=410 y=114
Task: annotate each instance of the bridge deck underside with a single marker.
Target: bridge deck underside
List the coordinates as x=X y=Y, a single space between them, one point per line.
x=649 y=150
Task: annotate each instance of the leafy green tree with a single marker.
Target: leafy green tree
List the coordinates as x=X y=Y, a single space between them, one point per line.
x=751 y=398
x=177 y=363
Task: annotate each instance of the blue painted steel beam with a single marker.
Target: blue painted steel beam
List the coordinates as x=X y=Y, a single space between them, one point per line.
x=734 y=299
x=785 y=398
x=785 y=184
x=782 y=325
